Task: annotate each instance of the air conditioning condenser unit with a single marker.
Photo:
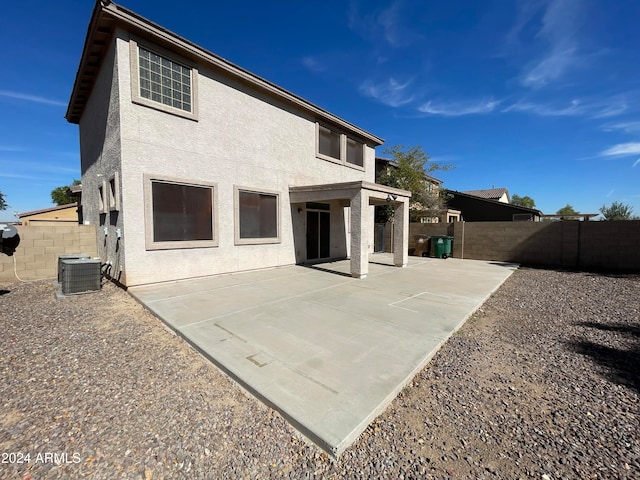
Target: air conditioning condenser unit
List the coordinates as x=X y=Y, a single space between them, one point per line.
x=72 y=256
x=79 y=276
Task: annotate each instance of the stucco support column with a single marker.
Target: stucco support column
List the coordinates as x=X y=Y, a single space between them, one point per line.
x=360 y=220
x=401 y=234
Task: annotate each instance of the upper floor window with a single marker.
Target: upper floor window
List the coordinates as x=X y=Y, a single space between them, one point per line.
x=337 y=147
x=328 y=143
x=163 y=81
x=354 y=152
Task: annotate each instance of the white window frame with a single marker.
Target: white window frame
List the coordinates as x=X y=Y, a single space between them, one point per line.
x=134 y=45
x=236 y=217
x=150 y=244
x=343 y=149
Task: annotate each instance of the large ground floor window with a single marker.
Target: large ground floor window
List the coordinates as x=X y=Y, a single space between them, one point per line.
x=179 y=214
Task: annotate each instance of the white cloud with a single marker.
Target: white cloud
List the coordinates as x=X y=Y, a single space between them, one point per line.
x=390 y=92
x=627 y=127
x=636 y=163
x=611 y=107
x=458 y=109
x=575 y=107
x=10 y=148
x=599 y=108
x=31 y=98
x=387 y=24
x=552 y=67
x=622 y=149
x=17 y=175
x=313 y=64
x=556 y=37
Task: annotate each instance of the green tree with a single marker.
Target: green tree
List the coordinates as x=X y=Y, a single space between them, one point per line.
x=59 y=195
x=3 y=203
x=526 y=201
x=617 y=211
x=567 y=211
x=409 y=174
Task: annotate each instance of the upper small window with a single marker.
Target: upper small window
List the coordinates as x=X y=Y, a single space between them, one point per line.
x=354 y=152
x=339 y=148
x=165 y=81
x=328 y=143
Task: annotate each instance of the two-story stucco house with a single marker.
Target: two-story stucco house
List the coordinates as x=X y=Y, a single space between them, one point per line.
x=193 y=166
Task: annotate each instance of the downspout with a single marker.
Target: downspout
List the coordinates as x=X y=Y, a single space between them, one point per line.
x=462 y=246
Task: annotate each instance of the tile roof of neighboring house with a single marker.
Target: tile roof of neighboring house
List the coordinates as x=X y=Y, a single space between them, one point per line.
x=45 y=210
x=105 y=19
x=489 y=193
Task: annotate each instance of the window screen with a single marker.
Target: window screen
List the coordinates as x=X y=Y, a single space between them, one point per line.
x=258 y=215
x=181 y=212
x=354 y=152
x=329 y=143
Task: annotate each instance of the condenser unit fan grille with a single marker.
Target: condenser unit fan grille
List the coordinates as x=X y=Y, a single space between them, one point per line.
x=73 y=256
x=80 y=276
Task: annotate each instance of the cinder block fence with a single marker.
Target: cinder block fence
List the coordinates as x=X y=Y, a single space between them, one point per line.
x=37 y=255
x=611 y=246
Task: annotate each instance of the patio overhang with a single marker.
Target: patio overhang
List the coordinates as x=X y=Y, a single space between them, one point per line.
x=360 y=195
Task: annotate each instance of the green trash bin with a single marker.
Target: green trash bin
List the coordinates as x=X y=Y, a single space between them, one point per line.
x=441 y=246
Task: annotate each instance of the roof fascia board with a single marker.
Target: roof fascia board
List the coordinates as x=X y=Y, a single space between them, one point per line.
x=91 y=29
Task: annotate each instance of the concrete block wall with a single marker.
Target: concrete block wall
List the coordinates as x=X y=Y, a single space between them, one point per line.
x=36 y=257
x=418 y=230
x=611 y=246
x=524 y=242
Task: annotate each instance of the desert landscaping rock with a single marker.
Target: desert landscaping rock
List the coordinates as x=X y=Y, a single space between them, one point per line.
x=542 y=382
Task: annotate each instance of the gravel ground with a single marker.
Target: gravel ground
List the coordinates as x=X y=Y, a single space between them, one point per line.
x=542 y=382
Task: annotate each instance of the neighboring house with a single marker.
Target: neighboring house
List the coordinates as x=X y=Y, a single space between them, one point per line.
x=419 y=213
x=497 y=194
x=193 y=166
x=478 y=209
x=62 y=214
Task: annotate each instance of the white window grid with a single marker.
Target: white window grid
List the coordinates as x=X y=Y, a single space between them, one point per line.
x=164 y=81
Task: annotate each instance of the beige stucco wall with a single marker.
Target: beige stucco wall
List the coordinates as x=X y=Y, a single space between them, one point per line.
x=100 y=154
x=242 y=138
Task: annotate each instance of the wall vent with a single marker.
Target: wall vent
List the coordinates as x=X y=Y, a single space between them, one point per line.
x=73 y=256
x=79 y=276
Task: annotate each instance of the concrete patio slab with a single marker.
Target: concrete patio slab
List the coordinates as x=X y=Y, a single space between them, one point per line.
x=326 y=350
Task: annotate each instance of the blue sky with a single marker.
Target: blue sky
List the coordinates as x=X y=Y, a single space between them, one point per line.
x=539 y=96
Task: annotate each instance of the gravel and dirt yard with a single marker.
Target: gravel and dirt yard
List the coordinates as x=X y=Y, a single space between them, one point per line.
x=542 y=382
